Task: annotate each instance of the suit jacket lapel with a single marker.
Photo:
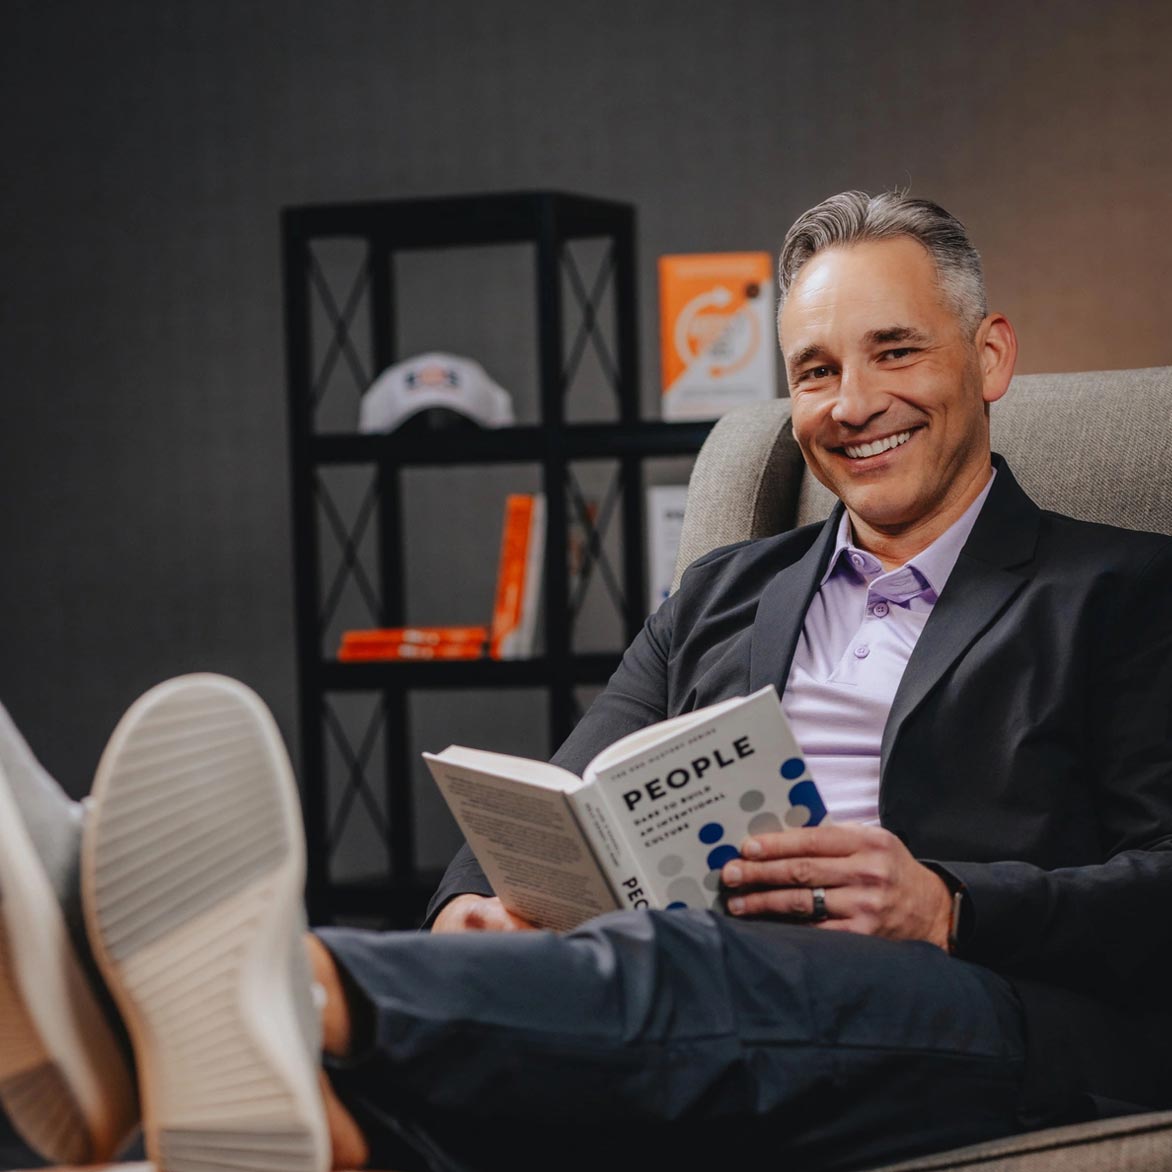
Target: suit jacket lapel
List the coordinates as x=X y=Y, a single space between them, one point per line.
x=980 y=587
x=782 y=610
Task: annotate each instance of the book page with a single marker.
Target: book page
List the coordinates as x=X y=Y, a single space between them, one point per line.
x=524 y=835
x=633 y=744
x=503 y=765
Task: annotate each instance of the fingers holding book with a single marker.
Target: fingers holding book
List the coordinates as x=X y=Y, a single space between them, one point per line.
x=841 y=877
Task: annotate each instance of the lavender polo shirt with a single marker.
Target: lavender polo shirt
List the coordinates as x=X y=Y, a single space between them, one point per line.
x=858 y=635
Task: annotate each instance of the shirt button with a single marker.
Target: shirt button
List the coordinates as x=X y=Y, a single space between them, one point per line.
x=858 y=561
x=880 y=609
x=862 y=651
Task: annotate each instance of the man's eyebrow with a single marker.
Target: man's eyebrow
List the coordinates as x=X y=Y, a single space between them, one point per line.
x=805 y=355
x=894 y=334
x=885 y=336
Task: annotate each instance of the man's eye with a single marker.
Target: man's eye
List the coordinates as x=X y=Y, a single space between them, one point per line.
x=899 y=352
x=815 y=374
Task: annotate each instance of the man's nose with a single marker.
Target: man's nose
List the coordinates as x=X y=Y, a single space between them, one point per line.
x=860 y=397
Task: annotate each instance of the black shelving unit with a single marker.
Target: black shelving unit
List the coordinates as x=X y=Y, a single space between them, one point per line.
x=549 y=221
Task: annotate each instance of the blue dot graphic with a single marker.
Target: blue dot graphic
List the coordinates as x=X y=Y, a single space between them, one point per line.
x=675 y=905
x=711 y=832
x=721 y=855
x=805 y=793
x=793 y=768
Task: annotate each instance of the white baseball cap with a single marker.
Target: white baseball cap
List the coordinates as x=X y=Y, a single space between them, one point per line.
x=433 y=380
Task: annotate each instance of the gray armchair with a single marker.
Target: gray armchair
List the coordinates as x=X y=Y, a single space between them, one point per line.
x=1093 y=445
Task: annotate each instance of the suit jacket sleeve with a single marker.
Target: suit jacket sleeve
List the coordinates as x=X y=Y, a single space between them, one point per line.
x=635 y=697
x=1103 y=927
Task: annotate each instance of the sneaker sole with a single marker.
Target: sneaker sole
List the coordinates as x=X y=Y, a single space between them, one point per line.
x=192 y=871
x=63 y=1082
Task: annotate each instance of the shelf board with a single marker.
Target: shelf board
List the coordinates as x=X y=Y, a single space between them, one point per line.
x=593 y=668
x=461 y=220
x=511 y=445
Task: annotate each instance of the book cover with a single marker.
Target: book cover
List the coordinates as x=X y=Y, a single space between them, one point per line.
x=519 y=574
x=650 y=824
x=717 y=335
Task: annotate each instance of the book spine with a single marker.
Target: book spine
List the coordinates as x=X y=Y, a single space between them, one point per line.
x=423 y=635
x=518 y=591
x=358 y=653
x=630 y=886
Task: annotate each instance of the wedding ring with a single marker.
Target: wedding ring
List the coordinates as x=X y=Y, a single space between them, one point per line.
x=819 y=913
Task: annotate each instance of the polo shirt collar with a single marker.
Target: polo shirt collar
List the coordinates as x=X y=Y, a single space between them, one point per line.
x=926 y=573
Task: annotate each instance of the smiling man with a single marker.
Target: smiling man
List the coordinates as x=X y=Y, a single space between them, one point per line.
x=978 y=943
x=982 y=690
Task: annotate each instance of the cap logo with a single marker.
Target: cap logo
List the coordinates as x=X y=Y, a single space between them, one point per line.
x=432 y=377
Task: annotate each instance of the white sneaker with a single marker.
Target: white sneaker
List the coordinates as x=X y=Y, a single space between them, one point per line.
x=192 y=871
x=65 y=1072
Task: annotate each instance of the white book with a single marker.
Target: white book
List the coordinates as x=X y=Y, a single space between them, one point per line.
x=649 y=825
x=665 y=523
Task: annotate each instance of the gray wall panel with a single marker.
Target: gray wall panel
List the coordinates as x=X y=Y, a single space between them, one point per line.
x=148 y=148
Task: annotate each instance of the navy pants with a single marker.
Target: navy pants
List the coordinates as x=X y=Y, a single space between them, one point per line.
x=644 y=1037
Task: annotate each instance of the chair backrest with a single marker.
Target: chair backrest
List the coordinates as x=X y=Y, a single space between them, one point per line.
x=1095 y=445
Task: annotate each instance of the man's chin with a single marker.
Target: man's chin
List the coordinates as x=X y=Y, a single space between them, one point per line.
x=887 y=516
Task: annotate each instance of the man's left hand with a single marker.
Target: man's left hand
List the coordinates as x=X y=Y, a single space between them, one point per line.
x=872 y=883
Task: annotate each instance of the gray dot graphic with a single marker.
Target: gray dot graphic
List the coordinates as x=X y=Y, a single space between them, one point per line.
x=686 y=891
x=765 y=823
x=712 y=881
x=751 y=800
x=797 y=815
x=671 y=865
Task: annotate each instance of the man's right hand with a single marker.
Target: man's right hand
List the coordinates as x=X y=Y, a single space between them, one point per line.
x=478 y=913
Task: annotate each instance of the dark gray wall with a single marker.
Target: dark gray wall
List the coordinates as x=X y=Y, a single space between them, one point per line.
x=148 y=148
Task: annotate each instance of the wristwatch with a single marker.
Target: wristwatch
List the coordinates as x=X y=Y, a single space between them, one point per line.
x=954 y=920
x=957 y=917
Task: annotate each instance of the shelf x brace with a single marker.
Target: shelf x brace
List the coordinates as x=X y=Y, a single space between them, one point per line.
x=356 y=784
x=594 y=555
x=588 y=329
x=341 y=344
x=348 y=542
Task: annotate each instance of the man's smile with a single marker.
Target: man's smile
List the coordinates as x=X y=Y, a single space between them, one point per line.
x=878 y=446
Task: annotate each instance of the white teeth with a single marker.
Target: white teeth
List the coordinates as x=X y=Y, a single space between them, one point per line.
x=883 y=445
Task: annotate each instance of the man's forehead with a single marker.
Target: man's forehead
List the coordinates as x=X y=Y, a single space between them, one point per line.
x=879 y=287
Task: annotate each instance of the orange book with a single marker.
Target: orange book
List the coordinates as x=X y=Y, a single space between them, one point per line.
x=393 y=636
x=518 y=583
x=410 y=651
x=717 y=336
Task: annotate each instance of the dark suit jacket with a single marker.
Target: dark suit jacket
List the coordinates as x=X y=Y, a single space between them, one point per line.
x=1028 y=751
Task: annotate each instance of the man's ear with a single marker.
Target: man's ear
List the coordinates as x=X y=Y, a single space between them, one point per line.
x=996 y=344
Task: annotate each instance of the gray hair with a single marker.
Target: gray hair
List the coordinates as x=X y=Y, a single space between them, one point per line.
x=854 y=217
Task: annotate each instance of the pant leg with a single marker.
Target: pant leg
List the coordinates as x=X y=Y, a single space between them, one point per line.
x=675 y=1035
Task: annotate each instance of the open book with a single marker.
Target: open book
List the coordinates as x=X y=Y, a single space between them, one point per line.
x=651 y=823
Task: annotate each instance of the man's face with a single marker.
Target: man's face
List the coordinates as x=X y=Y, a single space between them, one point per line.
x=888 y=393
